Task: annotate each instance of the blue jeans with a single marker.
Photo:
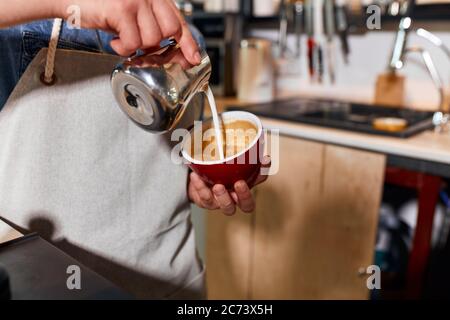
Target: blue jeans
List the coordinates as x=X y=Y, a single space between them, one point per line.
x=19 y=45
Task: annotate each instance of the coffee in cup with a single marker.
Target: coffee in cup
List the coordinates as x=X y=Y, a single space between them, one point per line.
x=243 y=145
x=237 y=136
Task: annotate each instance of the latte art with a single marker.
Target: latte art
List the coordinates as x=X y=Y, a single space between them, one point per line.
x=237 y=136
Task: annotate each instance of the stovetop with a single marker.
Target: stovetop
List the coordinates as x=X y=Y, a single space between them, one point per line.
x=342 y=115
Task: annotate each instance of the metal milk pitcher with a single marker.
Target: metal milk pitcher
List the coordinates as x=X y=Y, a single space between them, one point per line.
x=155 y=89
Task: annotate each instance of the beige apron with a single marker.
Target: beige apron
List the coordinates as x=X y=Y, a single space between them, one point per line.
x=76 y=170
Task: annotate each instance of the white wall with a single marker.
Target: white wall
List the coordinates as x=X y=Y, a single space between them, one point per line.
x=369 y=57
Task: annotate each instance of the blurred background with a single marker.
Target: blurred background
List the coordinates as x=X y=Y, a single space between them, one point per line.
x=359 y=93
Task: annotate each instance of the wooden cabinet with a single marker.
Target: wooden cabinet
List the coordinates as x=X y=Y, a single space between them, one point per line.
x=313 y=230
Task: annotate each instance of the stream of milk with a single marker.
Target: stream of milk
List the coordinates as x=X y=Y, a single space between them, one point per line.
x=216 y=122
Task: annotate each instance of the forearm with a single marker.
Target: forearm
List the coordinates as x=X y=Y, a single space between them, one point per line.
x=14 y=12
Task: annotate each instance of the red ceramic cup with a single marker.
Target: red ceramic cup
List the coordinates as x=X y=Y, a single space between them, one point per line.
x=244 y=165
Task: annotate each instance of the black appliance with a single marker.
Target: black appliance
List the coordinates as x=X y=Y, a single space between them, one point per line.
x=38 y=270
x=342 y=115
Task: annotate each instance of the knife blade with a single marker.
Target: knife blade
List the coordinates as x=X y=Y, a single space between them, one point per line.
x=342 y=28
x=310 y=35
x=318 y=37
x=330 y=31
x=298 y=25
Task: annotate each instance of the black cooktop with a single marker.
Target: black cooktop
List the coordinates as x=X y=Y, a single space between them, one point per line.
x=341 y=115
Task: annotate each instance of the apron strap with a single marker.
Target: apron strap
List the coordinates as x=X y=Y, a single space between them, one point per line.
x=48 y=76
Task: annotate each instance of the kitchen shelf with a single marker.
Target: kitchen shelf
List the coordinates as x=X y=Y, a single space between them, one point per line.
x=436 y=15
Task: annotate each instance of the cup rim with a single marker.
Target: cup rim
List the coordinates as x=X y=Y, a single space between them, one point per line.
x=238 y=115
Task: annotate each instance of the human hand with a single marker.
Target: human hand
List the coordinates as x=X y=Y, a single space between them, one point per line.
x=218 y=197
x=138 y=24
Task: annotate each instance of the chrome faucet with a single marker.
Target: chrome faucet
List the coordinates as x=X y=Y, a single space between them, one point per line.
x=441 y=119
x=401 y=38
x=400 y=51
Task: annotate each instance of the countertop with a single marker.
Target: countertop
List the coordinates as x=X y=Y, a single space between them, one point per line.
x=426 y=146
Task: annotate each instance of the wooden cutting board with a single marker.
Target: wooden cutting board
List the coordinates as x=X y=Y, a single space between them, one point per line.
x=390 y=90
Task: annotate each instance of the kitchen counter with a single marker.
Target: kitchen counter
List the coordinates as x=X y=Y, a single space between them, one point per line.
x=427 y=151
x=427 y=146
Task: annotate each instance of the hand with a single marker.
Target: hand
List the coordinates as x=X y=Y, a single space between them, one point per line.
x=219 y=198
x=139 y=24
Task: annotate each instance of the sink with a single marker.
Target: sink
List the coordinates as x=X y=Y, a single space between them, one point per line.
x=342 y=115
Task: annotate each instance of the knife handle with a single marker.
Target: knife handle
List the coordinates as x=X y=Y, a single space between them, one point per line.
x=319 y=63
x=344 y=39
x=342 y=28
x=311 y=56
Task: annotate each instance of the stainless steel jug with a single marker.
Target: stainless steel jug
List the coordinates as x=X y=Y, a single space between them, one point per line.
x=256 y=72
x=155 y=89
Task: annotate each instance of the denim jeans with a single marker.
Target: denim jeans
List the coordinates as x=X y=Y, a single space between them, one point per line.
x=20 y=44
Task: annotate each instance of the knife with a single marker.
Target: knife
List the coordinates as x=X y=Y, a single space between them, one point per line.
x=283 y=28
x=298 y=6
x=309 y=32
x=342 y=27
x=318 y=37
x=329 y=25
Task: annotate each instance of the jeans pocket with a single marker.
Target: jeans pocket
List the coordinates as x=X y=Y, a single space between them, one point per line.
x=33 y=42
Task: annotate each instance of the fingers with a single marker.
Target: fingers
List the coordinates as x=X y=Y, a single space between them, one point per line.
x=234 y=196
x=144 y=24
x=204 y=194
x=129 y=36
x=187 y=43
x=189 y=46
x=245 y=199
x=150 y=31
x=193 y=195
x=224 y=200
x=218 y=198
x=266 y=162
x=168 y=20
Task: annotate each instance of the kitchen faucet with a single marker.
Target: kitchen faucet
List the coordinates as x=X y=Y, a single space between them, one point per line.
x=441 y=118
x=401 y=38
x=432 y=71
